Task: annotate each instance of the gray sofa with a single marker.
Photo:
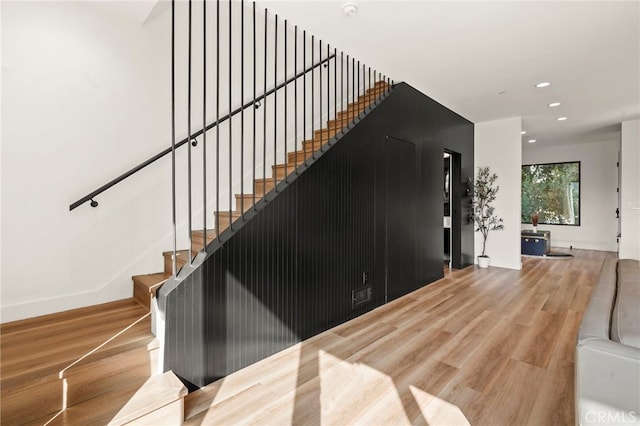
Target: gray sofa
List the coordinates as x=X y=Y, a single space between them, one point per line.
x=607 y=368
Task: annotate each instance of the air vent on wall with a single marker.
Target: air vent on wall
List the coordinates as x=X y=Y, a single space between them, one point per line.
x=360 y=296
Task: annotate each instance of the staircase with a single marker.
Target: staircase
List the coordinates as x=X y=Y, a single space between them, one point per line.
x=146 y=285
x=95 y=365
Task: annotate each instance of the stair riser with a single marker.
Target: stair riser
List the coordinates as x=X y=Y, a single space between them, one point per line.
x=245 y=202
x=168 y=263
x=315 y=145
x=281 y=171
x=299 y=156
x=18 y=407
x=263 y=187
x=223 y=220
x=141 y=294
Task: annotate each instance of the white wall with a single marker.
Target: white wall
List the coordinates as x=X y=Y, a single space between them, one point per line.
x=498 y=146
x=84 y=98
x=598 y=196
x=630 y=190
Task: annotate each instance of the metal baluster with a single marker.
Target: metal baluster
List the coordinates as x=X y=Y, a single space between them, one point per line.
x=264 y=111
x=217 y=224
x=174 y=261
x=347 y=106
x=295 y=98
x=230 y=124
x=370 y=83
x=189 y=227
x=320 y=92
x=342 y=88
x=242 y=113
x=313 y=89
x=254 y=106
x=304 y=95
x=353 y=86
x=328 y=91
x=286 y=162
x=204 y=125
x=275 y=103
x=335 y=87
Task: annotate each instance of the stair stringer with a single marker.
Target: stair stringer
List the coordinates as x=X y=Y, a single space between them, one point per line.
x=194 y=275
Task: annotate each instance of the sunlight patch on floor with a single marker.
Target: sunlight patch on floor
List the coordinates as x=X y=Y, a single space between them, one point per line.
x=350 y=391
x=437 y=411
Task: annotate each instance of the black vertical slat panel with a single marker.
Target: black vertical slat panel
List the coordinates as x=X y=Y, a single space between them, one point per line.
x=328 y=248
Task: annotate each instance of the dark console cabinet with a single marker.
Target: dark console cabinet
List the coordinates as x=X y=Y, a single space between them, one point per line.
x=535 y=243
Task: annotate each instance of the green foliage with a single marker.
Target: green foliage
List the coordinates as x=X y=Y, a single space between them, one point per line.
x=552 y=191
x=484 y=193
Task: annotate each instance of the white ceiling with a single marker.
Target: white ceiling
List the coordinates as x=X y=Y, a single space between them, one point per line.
x=482 y=59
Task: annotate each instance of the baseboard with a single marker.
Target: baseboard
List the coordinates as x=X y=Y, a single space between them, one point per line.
x=504 y=262
x=585 y=245
x=36 y=308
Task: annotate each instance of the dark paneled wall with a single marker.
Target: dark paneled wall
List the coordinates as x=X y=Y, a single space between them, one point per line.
x=368 y=213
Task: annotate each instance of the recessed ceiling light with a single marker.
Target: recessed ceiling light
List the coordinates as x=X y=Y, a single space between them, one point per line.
x=543 y=84
x=554 y=104
x=524 y=132
x=562 y=118
x=532 y=141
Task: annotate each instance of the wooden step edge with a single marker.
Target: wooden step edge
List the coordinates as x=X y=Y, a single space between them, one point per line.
x=69 y=316
x=152 y=401
x=138 y=337
x=150 y=282
x=32 y=400
x=145 y=286
x=111 y=373
x=156 y=393
x=225 y=214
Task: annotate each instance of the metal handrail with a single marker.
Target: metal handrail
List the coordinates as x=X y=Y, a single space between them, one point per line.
x=134 y=170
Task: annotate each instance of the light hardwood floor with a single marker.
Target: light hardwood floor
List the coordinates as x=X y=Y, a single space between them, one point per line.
x=480 y=347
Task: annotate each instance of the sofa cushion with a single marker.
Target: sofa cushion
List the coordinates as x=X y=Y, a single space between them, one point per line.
x=597 y=318
x=625 y=320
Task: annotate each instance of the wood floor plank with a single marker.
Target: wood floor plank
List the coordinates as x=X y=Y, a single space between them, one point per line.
x=491 y=346
x=477 y=347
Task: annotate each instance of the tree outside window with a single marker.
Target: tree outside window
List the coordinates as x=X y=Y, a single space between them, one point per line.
x=553 y=191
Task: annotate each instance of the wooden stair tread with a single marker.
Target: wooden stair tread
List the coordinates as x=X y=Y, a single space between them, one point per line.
x=151 y=281
x=81 y=347
x=125 y=404
x=52 y=362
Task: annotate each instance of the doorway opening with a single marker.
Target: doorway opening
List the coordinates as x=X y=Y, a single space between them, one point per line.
x=451 y=209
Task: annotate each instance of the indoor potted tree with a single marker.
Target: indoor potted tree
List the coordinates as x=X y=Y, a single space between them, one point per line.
x=484 y=193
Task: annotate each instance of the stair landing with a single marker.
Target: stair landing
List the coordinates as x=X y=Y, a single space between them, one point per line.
x=94 y=365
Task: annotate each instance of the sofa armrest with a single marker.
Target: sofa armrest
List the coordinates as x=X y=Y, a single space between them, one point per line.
x=607 y=382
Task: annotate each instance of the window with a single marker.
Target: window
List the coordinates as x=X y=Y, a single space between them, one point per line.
x=553 y=191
